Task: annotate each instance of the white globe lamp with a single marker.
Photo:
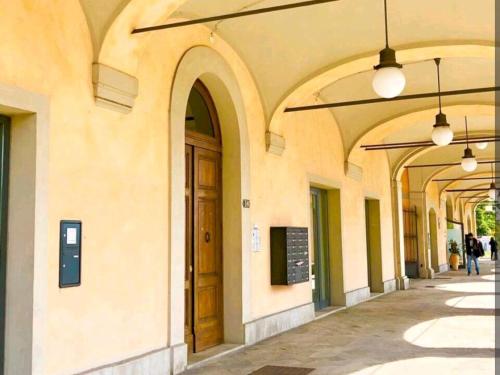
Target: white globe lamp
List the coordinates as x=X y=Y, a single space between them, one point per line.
x=442 y=135
x=482 y=145
x=469 y=162
x=389 y=80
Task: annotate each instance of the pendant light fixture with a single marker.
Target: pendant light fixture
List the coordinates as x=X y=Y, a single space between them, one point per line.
x=442 y=135
x=389 y=81
x=469 y=162
x=482 y=145
x=493 y=189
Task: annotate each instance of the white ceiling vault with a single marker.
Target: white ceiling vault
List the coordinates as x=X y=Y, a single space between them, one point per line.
x=329 y=50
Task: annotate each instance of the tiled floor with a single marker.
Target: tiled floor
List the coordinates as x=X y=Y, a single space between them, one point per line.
x=441 y=326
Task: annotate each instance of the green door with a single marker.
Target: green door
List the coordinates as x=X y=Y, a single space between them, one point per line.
x=4 y=165
x=368 y=242
x=319 y=247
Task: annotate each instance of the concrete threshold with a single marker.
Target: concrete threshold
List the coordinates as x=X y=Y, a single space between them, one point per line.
x=199 y=359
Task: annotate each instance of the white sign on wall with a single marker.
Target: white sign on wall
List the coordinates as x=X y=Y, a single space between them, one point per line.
x=256 y=245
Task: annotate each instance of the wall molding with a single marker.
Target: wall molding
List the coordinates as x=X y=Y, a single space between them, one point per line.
x=272 y=325
x=26 y=343
x=275 y=143
x=353 y=171
x=113 y=89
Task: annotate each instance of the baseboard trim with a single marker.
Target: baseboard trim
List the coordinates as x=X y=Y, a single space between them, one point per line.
x=442 y=268
x=272 y=325
x=390 y=286
x=357 y=296
x=156 y=362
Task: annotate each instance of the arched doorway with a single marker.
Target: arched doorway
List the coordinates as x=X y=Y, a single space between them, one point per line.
x=203 y=195
x=433 y=240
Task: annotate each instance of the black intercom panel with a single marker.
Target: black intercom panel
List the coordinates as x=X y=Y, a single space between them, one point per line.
x=70 y=253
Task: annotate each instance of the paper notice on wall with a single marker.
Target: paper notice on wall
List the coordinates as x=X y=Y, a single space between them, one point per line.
x=71 y=236
x=256 y=245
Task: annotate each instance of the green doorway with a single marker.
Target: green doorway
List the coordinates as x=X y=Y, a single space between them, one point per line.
x=320 y=259
x=373 y=246
x=4 y=164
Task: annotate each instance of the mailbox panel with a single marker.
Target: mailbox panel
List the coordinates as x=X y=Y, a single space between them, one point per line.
x=70 y=253
x=289 y=255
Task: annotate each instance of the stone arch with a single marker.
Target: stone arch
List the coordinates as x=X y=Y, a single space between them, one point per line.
x=483 y=185
x=207 y=65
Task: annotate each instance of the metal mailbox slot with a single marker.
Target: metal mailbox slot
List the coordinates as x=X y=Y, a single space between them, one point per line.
x=70 y=253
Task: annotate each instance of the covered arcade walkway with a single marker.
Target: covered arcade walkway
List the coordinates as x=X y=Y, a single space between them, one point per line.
x=440 y=326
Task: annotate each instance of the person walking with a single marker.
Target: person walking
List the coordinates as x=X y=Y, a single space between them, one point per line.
x=493 y=248
x=472 y=250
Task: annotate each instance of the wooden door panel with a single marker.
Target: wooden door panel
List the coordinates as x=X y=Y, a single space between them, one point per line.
x=207 y=246
x=207 y=177
x=207 y=243
x=207 y=303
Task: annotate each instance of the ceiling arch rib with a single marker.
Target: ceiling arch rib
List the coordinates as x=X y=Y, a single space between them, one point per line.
x=417 y=125
x=458 y=184
x=458 y=195
x=423 y=176
x=326 y=77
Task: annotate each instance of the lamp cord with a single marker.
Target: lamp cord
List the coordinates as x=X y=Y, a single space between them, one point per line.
x=466 y=132
x=438 y=61
x=386 y=27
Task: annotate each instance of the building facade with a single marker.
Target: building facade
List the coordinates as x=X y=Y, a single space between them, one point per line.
x=174 y=151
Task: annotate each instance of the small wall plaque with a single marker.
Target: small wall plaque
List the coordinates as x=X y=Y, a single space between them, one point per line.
x=246 y=203
x=256 y=243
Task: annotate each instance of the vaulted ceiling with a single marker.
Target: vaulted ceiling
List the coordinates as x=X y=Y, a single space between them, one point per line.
x=297 y=56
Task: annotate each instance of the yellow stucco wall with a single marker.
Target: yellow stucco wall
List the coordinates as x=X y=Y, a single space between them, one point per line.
x=434 y=201
x=109 y=170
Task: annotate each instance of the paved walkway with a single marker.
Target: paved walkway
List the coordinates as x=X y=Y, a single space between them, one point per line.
x=441 y=326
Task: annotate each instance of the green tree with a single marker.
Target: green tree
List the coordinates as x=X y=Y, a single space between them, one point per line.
x=485 y=221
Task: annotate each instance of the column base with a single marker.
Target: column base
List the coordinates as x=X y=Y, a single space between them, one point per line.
x=402 y=283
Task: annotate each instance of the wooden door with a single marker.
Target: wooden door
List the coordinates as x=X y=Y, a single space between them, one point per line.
x=411 y=242
x=204 y=318
x=203 y=275
x=4 y=173
x=207 y=246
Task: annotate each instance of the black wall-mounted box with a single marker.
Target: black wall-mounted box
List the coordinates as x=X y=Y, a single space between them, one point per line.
x=289 y=255
x=70 y=253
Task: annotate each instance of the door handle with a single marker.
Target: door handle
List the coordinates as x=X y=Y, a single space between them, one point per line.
x=207 y=237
